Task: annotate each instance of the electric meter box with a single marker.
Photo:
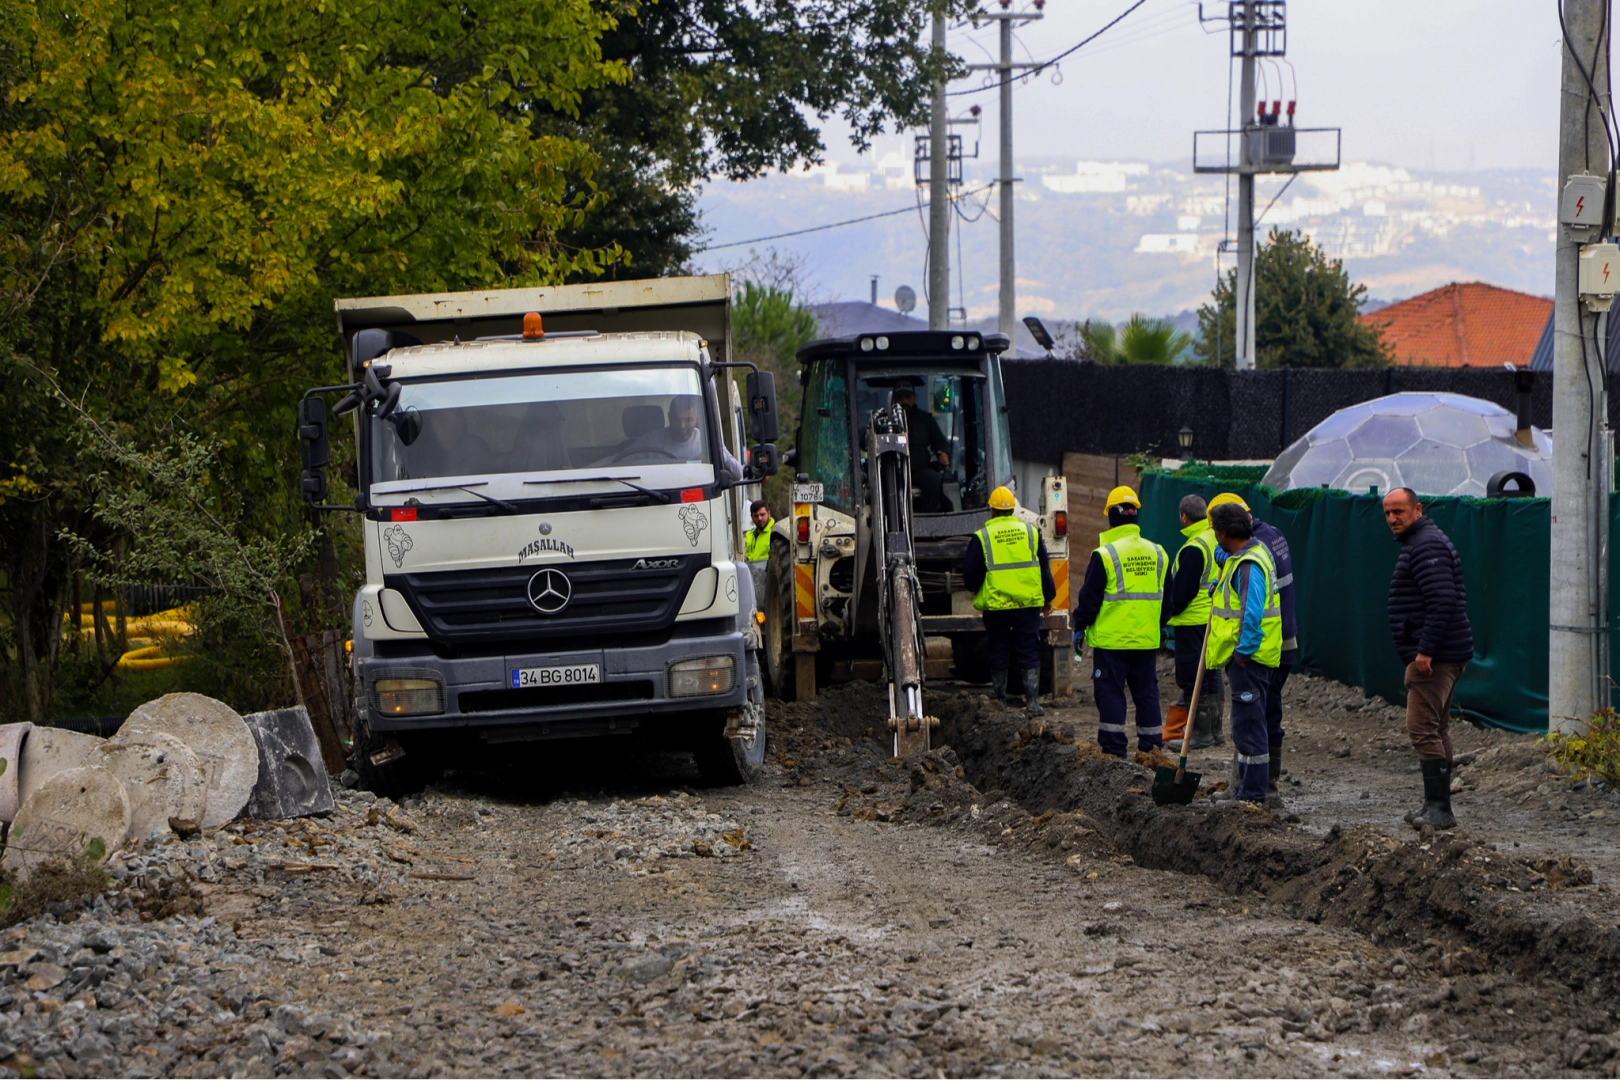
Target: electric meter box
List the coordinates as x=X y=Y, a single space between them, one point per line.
x=1581 y=208
x=1599 y=277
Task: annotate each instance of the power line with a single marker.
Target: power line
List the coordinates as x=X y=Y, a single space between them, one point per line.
x=1043 y=66
x=833 y=225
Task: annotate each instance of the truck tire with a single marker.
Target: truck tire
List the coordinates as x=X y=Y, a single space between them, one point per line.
x=402 y=776
x=780 y=610
x=724 y=762
x=970 y=658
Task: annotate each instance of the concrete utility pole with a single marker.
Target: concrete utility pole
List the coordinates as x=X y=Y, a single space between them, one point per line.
x=939 y=200
x=1582 y=470
x=1244 y=300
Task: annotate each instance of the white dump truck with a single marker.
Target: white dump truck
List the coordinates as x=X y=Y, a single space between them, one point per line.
x=553 y=484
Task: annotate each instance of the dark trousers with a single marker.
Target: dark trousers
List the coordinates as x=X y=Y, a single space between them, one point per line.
x=930 y=485
x=1251 y=691
x=1013 y=638
x=1428 y=708
x=1117 y=670
x=1189 y=654
x=1274 y=728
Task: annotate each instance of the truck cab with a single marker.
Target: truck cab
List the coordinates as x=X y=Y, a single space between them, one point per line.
x=553 y=496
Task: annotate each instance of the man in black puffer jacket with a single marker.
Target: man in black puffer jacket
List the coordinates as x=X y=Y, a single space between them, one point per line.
x=1428 y=616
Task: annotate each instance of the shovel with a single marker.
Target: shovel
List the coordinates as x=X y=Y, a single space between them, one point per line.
x=1177 y=786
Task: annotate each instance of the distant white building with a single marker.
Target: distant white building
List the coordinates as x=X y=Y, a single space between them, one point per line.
x=1094 y=177
x=1168 y=244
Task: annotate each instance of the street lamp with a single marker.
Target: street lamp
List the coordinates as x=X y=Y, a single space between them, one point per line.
x=1184 y=438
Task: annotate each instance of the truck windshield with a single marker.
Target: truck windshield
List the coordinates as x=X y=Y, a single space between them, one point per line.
x=547 y=424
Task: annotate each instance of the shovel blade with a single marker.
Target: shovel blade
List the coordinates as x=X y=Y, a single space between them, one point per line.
x=1168 y=791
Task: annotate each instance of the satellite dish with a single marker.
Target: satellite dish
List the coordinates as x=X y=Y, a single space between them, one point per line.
x=905 y=298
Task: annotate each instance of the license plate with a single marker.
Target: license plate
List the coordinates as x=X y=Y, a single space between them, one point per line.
x=808 y=493
x=573 y=675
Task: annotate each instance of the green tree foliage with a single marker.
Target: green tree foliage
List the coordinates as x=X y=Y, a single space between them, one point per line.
x=1305 y=311
x=732 y=88
x=767 y=326
x=185 y=185
x=1143 y=340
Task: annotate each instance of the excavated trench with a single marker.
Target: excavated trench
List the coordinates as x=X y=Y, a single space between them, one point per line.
x=1466 y=907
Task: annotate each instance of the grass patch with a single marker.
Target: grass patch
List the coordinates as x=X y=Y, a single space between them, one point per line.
x=53 y=882
x=1595 y=753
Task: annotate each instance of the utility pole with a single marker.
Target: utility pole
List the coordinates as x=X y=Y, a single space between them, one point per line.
x=1244 y=300
x=1008 y=321
x=1582 y=462
x=939 y=201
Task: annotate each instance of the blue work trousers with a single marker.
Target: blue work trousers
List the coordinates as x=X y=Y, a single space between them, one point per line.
x=1251 y=692
x=1189 y=655
x=1274 y=728
x=1115 y=671
x=1013 y=638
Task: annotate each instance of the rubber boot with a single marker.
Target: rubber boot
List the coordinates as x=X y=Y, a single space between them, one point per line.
x=1231 y=786
x=1436 y=810
x=1032 y=691
x=1205 y=724
x=1273 y=796
x=998 y=687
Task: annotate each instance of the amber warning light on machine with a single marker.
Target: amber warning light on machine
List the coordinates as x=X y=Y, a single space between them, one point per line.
x=532 y=330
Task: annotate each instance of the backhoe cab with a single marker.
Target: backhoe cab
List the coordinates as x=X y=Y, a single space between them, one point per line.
x=831 y=585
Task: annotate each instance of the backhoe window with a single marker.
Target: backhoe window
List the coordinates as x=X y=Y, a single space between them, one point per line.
x=955 y=403
x=824 y=442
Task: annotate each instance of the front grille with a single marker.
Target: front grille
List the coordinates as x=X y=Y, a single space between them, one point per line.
x=468 y=608
x=540 y=697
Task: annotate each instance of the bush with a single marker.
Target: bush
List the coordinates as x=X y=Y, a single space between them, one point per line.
x=1595 y=752
x=53 y=883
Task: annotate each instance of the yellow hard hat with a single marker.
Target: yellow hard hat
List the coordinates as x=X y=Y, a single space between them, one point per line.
x=1002 y=499
x=1122 y=496
x=1227 y=497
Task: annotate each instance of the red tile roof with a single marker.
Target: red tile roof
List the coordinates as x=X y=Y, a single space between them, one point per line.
x=1463 y=325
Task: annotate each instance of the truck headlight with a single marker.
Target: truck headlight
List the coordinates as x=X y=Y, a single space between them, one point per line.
x=414 y=696
x=702 y=675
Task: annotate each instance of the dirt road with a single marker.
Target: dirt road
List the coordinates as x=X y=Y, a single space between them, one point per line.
x=846 y=915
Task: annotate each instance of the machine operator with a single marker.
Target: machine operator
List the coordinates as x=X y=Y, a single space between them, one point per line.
x=930 y=451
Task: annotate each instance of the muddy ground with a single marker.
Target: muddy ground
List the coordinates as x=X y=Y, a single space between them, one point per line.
x=1013 y=904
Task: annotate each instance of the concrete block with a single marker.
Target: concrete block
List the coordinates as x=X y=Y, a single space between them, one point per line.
x=215 y=733
x=162 y=778
x=292 y=778
x=11 y=741
x=48 y=751
x=68 y=811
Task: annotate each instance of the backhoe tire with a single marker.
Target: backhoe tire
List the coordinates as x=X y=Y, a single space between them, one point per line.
x=970 y=658
x=780 y=610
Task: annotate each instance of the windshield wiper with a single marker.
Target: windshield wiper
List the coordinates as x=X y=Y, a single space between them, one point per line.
x=468 y=488
x=649 y=492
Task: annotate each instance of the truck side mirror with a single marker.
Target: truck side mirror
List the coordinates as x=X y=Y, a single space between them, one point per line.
x=761 y=387
x=762 y=461
x=313 y=448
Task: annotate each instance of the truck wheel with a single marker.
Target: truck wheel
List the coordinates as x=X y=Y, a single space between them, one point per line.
x=780 y=611
x=724 y=762
x=394 y=777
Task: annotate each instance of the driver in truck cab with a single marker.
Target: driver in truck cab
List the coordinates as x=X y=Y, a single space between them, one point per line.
x=682 y=440
x=929 y=447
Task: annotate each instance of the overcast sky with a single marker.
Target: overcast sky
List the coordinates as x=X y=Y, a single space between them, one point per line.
x=1447 y=84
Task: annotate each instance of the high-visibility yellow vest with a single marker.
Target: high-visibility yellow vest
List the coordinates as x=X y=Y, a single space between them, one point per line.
x=1226 y=627
x=1199 y=535
x=1134 y=568
x=759 y=541
x=1012 y=566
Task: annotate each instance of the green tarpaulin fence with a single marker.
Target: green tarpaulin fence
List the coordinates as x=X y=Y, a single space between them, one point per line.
x=1343 y=557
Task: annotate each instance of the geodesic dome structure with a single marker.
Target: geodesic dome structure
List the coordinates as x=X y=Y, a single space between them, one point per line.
x=1433 y=443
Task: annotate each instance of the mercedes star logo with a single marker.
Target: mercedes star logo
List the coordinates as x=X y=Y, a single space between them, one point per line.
x=550 y=591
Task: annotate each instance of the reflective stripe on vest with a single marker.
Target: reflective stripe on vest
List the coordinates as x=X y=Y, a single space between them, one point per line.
x=759 y=542
x=1012 y=566
x=1226 y=625
x=1132 y=599
x=1196 y=613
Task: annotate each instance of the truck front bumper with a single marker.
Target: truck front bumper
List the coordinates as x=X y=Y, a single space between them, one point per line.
x=478 y=692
